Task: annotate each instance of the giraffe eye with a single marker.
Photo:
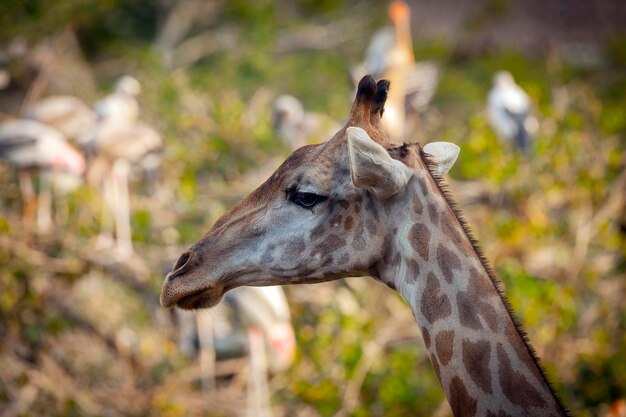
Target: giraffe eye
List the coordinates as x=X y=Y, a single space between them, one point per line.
x=305 y=200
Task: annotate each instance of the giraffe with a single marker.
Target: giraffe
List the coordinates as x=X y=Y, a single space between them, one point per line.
x=355 y=206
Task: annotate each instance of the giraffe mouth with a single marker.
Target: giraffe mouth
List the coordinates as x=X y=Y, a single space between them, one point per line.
x=205 y=298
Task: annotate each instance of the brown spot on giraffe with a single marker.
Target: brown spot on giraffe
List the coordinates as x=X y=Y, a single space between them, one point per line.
x=293 y=248
x=517 y=342
x=476 y=359
x=516 y=388
x=434 y=304
x=461 y=402
x=418 y=207
x=480 y=287
x=432 y=214
x=347 y=224
x=447 y=261
x=468 y=316
x=488 y=313
x=444 y=345
x=419 y=236
x=479 y=284
x=318 y=231
x=414 y=269
x=452 y=229
x=328 y=245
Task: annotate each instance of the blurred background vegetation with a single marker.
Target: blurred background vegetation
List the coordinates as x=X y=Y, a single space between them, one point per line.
x=82 y=334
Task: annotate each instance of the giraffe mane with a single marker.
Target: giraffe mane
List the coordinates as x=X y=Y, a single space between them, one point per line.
x=445 y=192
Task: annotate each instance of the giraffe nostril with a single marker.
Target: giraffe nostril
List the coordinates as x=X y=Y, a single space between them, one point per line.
x=183 y=263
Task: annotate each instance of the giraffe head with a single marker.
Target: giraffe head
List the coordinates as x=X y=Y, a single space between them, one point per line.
x=327 y=212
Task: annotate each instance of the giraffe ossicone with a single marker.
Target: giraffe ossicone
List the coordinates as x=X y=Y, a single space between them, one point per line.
x=356 y=205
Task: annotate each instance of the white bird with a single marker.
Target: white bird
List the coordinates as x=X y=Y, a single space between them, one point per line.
x=266 y=309
x=510 y=112
x=122 y=104
x=390 y=56
x=254 y=322
x=117 y=143
x=28 y=146
x=69 y=115
x=117 y=146
x=293 y=125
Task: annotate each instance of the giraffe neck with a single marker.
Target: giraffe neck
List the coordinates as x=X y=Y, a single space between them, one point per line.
x=483 y=363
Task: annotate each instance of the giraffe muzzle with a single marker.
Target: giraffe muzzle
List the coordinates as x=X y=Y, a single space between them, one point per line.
x=184 y=287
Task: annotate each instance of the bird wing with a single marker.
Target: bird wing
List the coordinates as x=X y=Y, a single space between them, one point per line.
x=16 y=134
x=27 y=143
x=514 y=99
x=17 y=149
x=517 y=117
x=521 y=136
x=51 y=108
x=103 y=107
x=421 y=84
x=12 y=142
x=68 y=114
x=509 y=110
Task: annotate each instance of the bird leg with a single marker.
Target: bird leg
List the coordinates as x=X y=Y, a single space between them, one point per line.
x=207 y=351
x=28 y=195
x=123 y=236
x=187 y=331
x=61 y=209
x=44 y=205
x=105 y=239
x=258 y=402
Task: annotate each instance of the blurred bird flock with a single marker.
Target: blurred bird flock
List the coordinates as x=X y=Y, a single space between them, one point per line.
x=180 y=108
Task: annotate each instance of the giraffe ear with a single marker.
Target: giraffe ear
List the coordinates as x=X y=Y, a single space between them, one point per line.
x=444 y=154
x=372 y=167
